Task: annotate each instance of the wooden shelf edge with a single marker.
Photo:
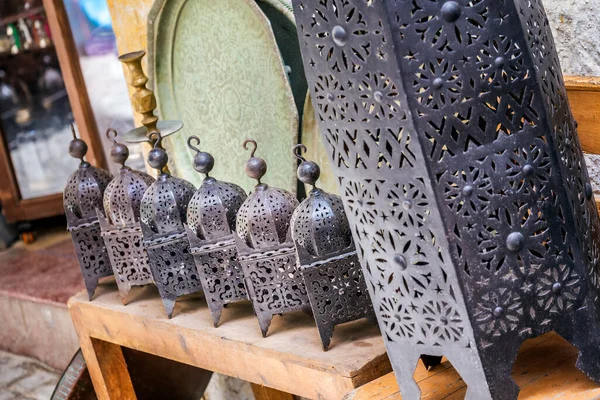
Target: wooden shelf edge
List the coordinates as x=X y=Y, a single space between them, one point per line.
x=24 y=14
x=583 y=83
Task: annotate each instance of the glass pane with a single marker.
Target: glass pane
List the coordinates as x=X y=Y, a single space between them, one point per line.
x=35 y=113
x=103 y=74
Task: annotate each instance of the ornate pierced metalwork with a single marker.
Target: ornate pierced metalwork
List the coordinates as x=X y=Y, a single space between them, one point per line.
x=82 y=197
x=449 y=129
x=326 y=256
x=210 y=226
x=120 y=223
x=266 y=250
x=163 y=214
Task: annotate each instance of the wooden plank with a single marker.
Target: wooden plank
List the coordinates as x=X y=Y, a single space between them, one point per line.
x=107 y=369
x=35 y=208
x=387 y=387
x=290 y=359
x=545 y=369
x=582 y=83
x=266 y=393
x=584 y=97
x=9 y=189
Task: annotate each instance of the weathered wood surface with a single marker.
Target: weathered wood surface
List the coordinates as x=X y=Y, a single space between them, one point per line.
x=545 y=369
x=266 y=393
x=584 y=97
x=290 y=359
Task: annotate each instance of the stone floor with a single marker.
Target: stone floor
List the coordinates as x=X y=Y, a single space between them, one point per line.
x=25 y=378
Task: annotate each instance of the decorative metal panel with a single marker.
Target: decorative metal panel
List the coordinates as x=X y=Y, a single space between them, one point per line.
x=337 y=292
x=173 y=268
x=220 y=273
x=228 y=96
x=127 y=254
x=266 y=250
x=448 y=126
x=91 y=253
x=210 y=225
x=274 y=283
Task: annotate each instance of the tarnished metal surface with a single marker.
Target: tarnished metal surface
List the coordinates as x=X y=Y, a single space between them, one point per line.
x=210 y=225
x=82 y=197
x=266 y=250
x=120 y=223
x=326 y=256
x=163 y=215
x=448 y=126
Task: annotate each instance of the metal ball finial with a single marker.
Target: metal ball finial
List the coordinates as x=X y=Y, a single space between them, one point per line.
x=256 y=167
x=203 y=161
x=157 y=157
x=77 y=147
x=308 y=171
x=119 y=152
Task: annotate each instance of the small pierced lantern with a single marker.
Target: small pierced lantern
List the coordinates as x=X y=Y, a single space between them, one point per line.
x=266 y=250
x=82 y=196
x=120 y=224
x=163 y=215
x=210 y=226
x=327 y=257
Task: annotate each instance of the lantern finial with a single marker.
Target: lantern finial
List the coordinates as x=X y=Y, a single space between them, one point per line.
x=203 y=161
x=77 y=147
x=256 y=167
x=119 y=152
x=308 y=171
x=157 y=157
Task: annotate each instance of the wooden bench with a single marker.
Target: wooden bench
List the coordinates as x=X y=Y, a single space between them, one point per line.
x=290 y=360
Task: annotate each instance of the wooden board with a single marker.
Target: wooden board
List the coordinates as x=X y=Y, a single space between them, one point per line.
x=290 y=359
x=545 y=369
x=584 y=97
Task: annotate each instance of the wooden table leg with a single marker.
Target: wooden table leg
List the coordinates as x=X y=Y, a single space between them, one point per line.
x=107 y=369
x=267 y=393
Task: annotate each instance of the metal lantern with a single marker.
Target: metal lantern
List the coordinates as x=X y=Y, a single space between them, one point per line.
x=266 y=250
x=448 y=127
x=120 y=222
x=163 y=214
x=82 y=196
x=327 y=257
x=210 y=225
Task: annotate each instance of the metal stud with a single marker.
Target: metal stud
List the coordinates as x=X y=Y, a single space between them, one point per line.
x=340 y=36
x=451 y=11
